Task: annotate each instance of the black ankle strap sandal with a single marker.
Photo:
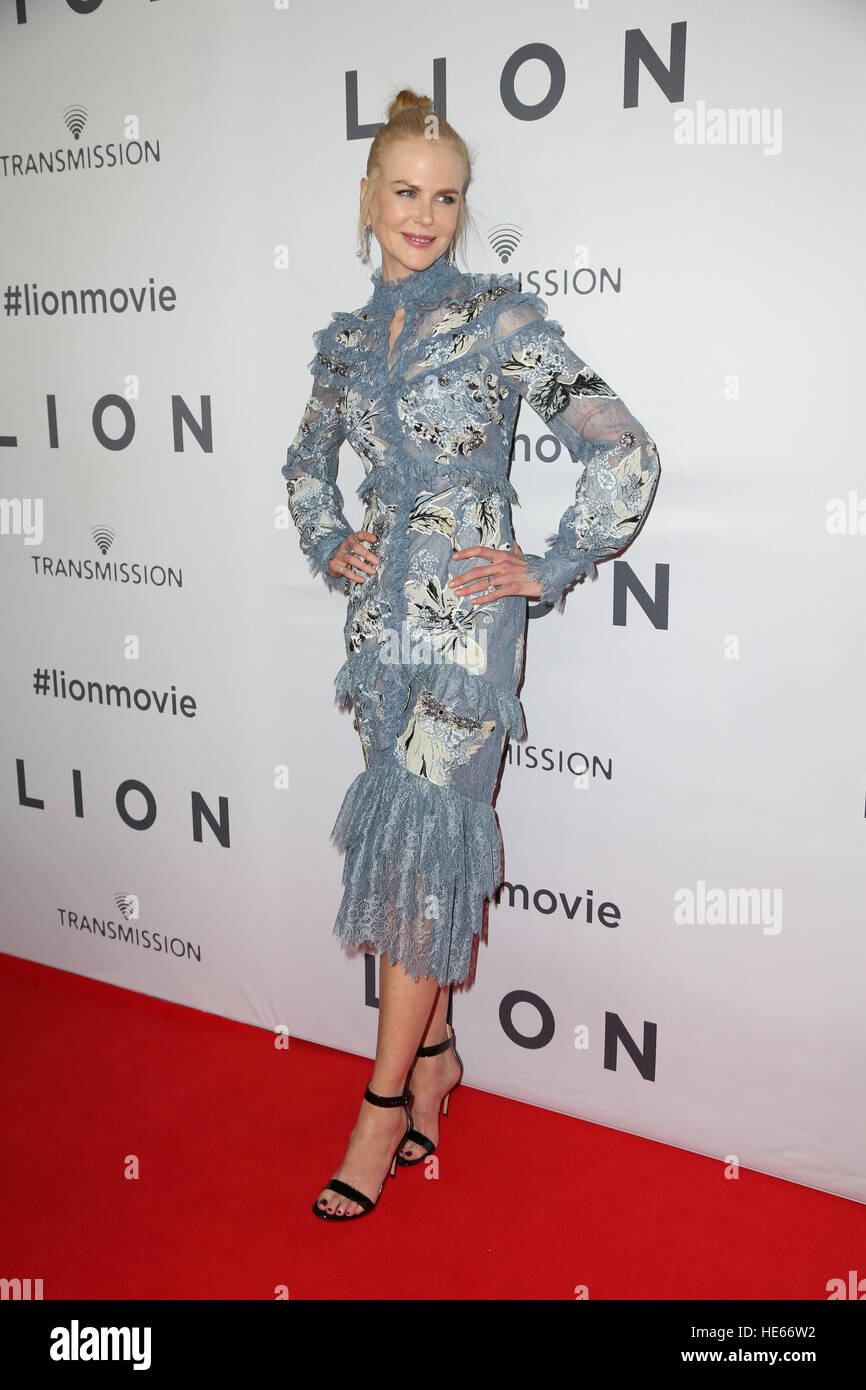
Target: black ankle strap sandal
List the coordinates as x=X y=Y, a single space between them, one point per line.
x=345 y=1189
x=415 y=1136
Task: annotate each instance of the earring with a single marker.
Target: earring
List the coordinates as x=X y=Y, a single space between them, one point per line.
x=367 y=236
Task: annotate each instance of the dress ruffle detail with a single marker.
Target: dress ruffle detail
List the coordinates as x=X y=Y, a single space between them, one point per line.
x=327 y=358
x=517 y=298
x=450 y=684
x=557 y=570
x=419 y=287
x=322 y=551
x=418 y=857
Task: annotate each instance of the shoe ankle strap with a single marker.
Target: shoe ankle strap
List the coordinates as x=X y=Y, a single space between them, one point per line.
x=402 y=1099
x=436 y=1048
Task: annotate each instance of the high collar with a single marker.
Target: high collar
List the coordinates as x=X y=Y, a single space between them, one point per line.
x=418 y=287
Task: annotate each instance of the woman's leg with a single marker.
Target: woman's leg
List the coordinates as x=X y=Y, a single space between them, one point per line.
x=404 y=1011
x=432 y=1077
x=436 y=1030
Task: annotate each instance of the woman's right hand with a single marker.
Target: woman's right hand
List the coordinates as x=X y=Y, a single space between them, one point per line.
x=353 y=560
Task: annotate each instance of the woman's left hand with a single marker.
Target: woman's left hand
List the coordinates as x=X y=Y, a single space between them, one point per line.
x=506 y=573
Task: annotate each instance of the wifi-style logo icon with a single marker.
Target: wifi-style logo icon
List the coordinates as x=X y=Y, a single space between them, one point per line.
x=505 y=239
x=127 y=903
x=76 y=119
x=103 y=535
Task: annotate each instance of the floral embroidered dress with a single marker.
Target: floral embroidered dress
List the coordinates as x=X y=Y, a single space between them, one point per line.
x=431 y=676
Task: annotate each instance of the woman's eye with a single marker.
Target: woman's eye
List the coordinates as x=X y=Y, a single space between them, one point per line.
x=448 y=197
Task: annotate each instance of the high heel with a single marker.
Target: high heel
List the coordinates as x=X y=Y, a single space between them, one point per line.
x=414 y=1136
x=344 y=1188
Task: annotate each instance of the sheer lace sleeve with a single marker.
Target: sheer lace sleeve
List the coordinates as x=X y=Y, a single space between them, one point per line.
x=621 y=468
x=310 y=470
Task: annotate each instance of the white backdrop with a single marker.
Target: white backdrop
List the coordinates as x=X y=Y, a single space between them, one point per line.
x=720 y=719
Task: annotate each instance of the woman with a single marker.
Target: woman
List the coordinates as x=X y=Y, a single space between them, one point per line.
x=424 y=381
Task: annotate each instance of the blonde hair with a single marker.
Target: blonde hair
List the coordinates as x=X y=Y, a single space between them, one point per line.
x=411 y=116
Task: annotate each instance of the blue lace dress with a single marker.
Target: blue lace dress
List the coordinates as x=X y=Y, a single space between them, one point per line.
x=432 y=677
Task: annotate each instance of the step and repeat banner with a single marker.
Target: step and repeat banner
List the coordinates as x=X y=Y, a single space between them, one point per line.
x=678 y=947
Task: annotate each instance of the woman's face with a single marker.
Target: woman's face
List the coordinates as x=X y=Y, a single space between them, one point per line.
x=414 y=209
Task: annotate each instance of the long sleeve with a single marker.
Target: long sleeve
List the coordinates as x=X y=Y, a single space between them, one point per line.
x=310 y=470
x=620 y=462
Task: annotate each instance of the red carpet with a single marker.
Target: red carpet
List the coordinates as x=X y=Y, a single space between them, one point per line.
x=234 y=1140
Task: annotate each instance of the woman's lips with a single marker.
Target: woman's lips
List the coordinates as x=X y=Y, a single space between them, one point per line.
x=419 y=240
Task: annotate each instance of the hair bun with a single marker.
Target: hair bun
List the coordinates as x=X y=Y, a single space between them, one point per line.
x=406 y=97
